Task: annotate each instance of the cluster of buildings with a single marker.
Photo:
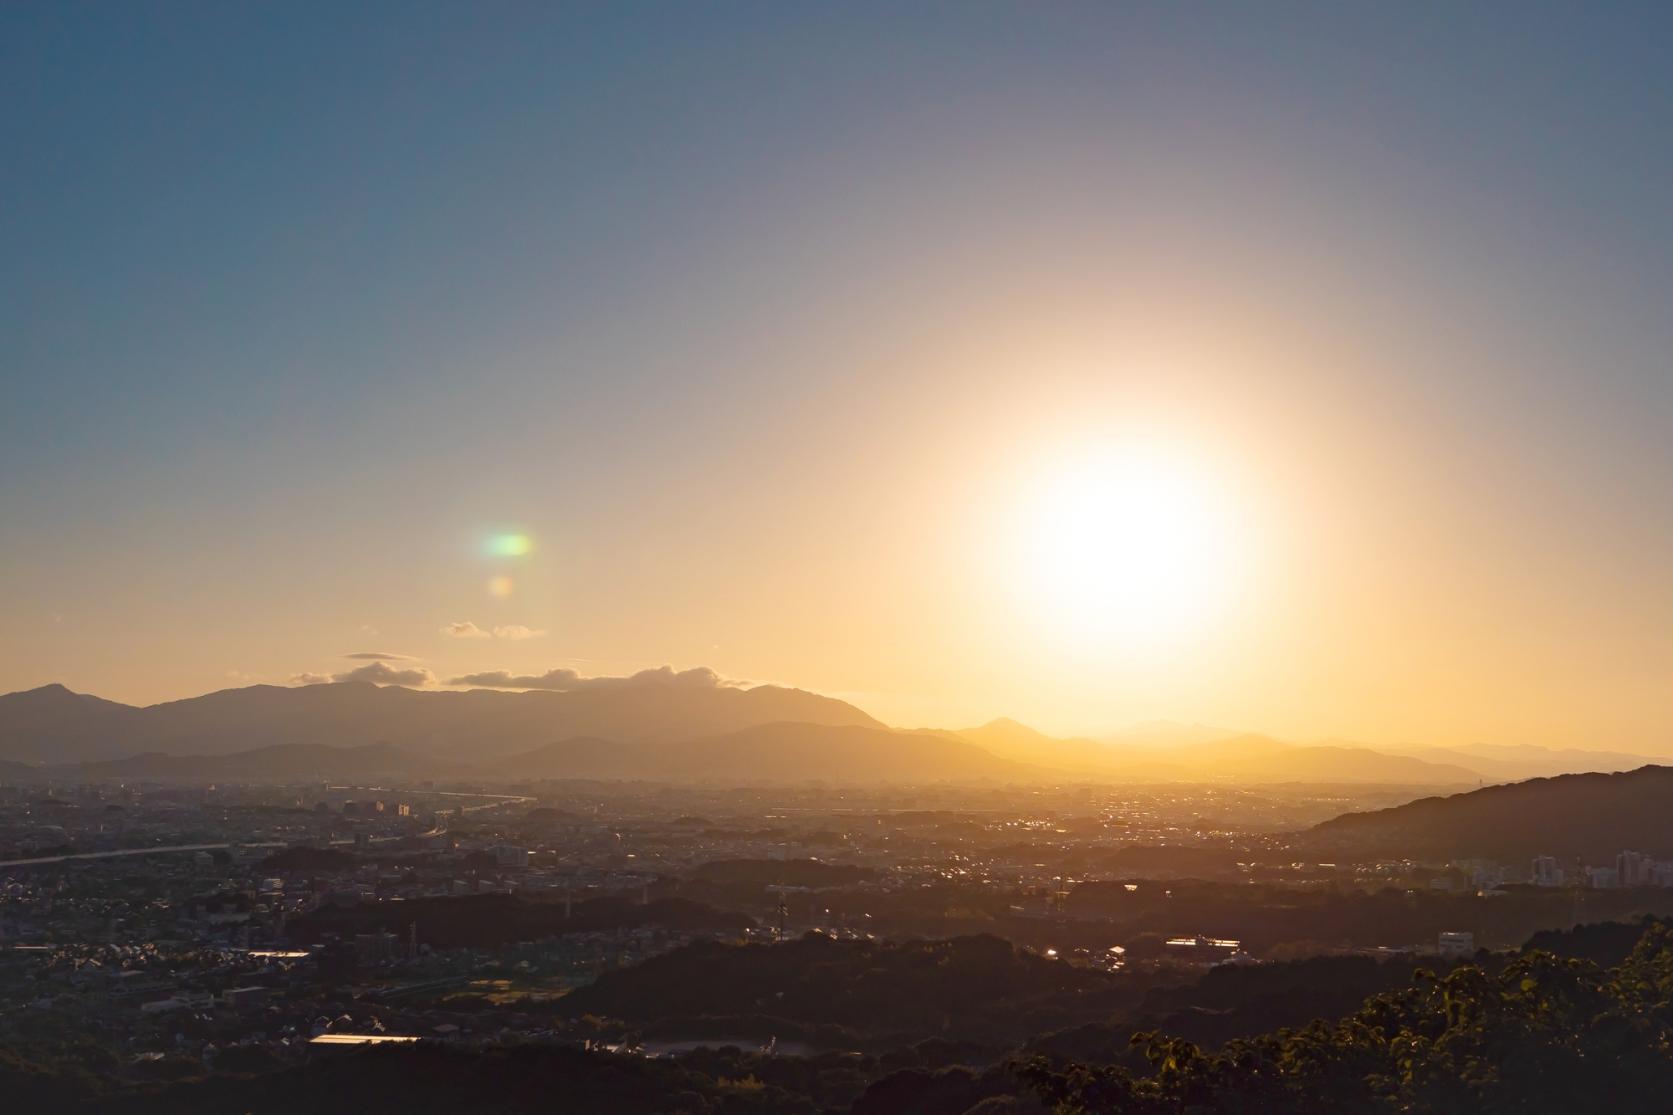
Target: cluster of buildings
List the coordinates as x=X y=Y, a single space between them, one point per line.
x=1630 y=869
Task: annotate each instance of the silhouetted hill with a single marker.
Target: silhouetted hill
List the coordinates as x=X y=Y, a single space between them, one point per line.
x=787 y=752
x=1589 y=815
x=54 y=725
x=1011 y=740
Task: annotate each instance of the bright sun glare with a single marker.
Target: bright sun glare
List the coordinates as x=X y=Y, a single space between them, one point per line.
x=1130 y=544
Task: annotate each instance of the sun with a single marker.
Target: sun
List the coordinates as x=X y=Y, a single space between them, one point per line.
x=1131 y=543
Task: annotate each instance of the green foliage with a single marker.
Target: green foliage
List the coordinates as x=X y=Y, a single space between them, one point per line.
x=1544 y=1034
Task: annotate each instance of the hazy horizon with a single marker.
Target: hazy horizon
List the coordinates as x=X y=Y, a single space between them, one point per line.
x=1305 y=373
x=1159 y=737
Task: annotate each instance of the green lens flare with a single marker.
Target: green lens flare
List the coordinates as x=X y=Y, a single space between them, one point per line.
x=509 y=545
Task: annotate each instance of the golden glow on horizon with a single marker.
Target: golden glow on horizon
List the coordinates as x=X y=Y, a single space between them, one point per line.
x=1130 y=545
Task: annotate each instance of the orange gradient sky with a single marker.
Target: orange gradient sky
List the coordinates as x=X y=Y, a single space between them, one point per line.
x=1135 y=366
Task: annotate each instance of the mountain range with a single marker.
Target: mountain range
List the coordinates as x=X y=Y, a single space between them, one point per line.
x=1512 y=763
x=52 y=724
x=654 y=729
x=1232 y=758
x=648 y=730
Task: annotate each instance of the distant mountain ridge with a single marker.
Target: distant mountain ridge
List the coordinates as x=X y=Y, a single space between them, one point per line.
x=1513 y=763
x=650 y=729
x=54 y=725
x=1234 y=758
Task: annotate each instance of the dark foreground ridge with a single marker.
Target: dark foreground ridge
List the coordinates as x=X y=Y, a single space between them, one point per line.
x=1546 y=1029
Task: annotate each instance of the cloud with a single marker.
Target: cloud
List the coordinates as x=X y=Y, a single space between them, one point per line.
x=380 y=656
x=518 y=631
x=465 y=629
x=374 y=673
x=381 y=673
x=568 y=681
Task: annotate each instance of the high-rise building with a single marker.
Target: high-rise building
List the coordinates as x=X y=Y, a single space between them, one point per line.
x=1632 y=869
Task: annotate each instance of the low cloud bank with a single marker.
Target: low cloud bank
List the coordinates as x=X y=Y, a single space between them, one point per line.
x=374 y=673
x=568 y=681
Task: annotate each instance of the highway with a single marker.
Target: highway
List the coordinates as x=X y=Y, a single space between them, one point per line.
x=497 y=800
x=161 y=848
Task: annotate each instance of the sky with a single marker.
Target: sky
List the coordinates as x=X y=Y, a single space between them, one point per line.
x=1290 y=367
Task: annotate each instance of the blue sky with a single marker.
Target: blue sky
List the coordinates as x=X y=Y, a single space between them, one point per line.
x=298 y=300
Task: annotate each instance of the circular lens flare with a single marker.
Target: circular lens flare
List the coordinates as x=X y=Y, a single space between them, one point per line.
x=501 y=587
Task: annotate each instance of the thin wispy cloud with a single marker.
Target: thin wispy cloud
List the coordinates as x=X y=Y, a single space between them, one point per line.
x=380 y=656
